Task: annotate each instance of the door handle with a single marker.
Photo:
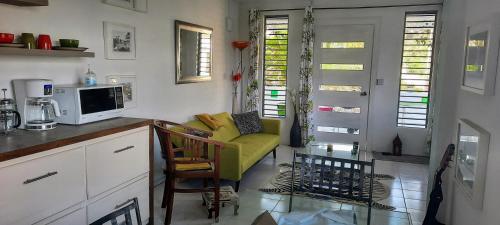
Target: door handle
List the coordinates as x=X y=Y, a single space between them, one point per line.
x=363 y=93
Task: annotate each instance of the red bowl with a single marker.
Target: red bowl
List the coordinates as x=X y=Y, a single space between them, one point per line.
x=6 y=38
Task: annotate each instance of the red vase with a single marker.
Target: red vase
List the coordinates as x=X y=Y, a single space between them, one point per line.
x=44 y=42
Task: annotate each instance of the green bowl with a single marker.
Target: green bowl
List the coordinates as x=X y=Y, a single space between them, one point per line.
x=75 y=43
x=69 y=43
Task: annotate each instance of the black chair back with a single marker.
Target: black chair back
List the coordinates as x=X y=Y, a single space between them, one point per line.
x=123 y=211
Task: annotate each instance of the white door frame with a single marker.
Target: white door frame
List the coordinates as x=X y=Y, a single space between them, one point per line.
x=376 y=22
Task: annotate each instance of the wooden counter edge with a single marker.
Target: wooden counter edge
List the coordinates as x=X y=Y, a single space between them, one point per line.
x=72 y=140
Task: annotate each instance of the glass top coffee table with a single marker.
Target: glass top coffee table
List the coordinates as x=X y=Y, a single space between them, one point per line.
x=341 y=151
x=332 y=169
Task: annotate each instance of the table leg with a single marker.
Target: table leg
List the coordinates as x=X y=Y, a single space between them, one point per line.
x=292 y=184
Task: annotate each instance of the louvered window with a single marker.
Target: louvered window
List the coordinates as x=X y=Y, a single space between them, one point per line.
x=275 y=66
x=204 y=55
x=416 y=69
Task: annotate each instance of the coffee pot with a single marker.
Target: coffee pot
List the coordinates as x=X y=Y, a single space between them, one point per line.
x=10 y=118
x=34 y=98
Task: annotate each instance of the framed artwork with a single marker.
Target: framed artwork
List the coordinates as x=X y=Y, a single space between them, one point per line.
x=471 y=160
x=481 y=58
x=129 y=83
x=119 y=41
x=136 y=5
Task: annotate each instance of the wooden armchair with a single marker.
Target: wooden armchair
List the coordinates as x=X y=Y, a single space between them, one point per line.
x=196 y=163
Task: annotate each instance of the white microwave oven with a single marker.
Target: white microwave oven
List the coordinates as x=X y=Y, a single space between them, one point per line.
x=81 y=104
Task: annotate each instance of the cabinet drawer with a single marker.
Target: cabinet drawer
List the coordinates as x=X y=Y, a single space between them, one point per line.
x=115 y=161
x=78 y=217
x=117 y=199
x=38 y=188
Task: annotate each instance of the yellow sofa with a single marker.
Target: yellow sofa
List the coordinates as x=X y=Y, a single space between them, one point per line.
x=241 y=152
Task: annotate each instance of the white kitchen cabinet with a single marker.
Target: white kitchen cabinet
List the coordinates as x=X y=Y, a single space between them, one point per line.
x=78 y=183
x=75 y=217
x=120 y=198
x=42 y=186
x=115 y=161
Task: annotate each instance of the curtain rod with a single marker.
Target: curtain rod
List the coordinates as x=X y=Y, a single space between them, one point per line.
x=356 y=7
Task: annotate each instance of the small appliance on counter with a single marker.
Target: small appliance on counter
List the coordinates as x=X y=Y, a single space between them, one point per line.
x=34 y=98
x=10 y=118
x=81 y=104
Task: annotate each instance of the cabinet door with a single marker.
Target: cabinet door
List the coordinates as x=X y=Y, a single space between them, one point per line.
x=116 y=161
x=118 y=199
x=36 y=189
x=78 y=217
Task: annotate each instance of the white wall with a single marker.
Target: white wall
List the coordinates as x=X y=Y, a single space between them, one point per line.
x=447 y=86
x=158 y=96
x=386 y=65
x=479 y=109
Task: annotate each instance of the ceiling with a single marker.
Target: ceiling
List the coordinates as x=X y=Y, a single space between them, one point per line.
x=331 y=3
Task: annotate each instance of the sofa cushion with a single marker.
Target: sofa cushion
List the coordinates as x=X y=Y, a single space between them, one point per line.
x=210 y=121
x=248 y=123
x=228 y=131
x=256 y=146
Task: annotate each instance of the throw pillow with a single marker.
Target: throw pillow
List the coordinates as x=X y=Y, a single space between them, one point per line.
x=248 y=123
x=210 y=121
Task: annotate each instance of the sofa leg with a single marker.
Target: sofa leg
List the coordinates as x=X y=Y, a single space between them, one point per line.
x=237 y=186
x=274 y=153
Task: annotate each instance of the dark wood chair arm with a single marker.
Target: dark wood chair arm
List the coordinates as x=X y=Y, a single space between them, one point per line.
x=190 y=130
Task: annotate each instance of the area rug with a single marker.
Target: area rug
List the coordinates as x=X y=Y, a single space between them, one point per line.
x=280 y=184
x=404 y=158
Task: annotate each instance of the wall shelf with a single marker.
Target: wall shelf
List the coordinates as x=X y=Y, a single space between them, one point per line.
x=49 y=53
x=26 y=2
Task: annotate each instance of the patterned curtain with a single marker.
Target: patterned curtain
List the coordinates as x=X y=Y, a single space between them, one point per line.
x=252 y=91
x=305 y=77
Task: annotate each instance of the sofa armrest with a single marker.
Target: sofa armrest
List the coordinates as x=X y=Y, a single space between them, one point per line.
x=272 y=126
x=231 y=160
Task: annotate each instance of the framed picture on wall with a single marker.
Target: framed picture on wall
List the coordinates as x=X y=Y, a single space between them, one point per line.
x=471 y=160
x=136 y=5
x=119 y=41
x=129 y=83
x=481 y=58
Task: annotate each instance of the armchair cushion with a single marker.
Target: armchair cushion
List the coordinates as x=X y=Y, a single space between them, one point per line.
x=191 y=166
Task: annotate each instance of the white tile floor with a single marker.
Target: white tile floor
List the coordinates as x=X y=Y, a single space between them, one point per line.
x=408 y=194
